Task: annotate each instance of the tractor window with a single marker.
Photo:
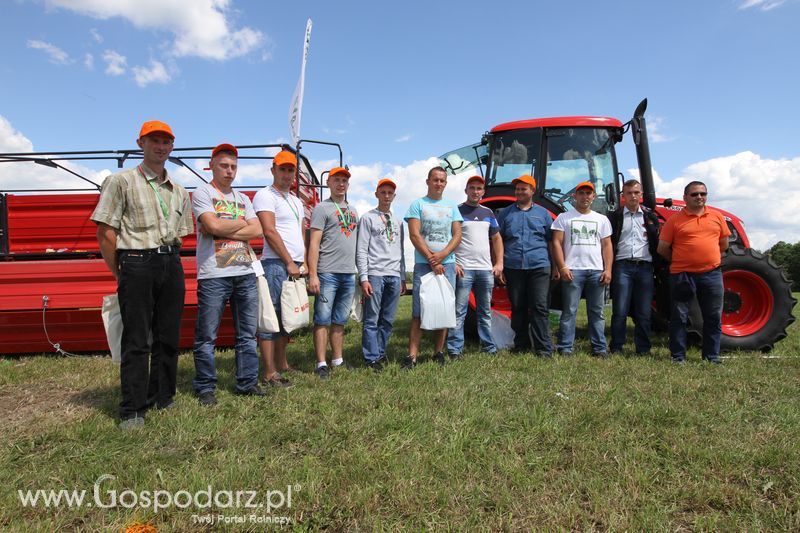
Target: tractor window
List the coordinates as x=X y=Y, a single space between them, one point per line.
x=467 y=159
x=513 y=154
x=575 y=155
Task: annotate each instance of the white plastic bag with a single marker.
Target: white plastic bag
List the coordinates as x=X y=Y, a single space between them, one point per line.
x=294 y=305
x=437 y=301
x=267 y=318
x=357 y=307
x=112 y=321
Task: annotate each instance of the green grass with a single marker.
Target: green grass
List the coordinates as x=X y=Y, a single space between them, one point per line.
x=510 y=442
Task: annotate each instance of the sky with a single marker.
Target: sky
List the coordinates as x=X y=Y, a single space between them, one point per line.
x=399 y=83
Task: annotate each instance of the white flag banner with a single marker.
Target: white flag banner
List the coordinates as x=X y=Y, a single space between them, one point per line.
x=297 y=100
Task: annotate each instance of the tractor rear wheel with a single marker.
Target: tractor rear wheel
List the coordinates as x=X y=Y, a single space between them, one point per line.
x=758 y=302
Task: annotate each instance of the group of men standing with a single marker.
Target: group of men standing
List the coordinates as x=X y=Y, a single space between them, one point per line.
x=142 y=215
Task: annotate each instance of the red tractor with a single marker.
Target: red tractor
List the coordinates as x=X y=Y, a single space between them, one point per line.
x=564 y=151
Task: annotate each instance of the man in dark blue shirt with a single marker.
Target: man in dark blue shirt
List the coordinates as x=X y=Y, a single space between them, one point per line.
x=525 y=228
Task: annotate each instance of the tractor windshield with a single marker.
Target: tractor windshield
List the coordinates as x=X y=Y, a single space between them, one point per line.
x=514 y=153
x=575 y=155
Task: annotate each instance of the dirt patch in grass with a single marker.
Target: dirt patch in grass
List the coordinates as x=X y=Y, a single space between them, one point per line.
x=36 y=407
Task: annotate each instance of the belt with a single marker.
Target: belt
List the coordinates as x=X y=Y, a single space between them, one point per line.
x=635 y=261
x=164 y=249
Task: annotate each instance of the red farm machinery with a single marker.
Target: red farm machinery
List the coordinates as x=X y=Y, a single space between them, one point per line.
x=52 y=277
x=562 y=152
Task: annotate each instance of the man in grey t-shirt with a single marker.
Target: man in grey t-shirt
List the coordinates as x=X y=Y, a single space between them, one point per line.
x=332 y=268
x=225 y=223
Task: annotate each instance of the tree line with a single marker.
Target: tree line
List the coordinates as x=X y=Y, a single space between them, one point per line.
x=787 y=256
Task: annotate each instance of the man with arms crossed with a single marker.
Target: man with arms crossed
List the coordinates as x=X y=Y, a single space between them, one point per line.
x=225 y=223
x=693 y=239
x=583 y=254
x=480 y=241
x=382 y=273
x=525 y=229
x=634 y=236
x=281 y=216
x=434 y=227
x=332 y=269
x=141 y=216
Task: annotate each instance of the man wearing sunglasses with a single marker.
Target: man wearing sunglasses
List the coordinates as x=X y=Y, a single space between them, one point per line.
x=693 y=240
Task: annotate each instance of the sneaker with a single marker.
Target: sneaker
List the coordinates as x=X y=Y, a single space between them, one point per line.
x=375 y=366
x=278 y=381
x=713 y=360
x=679 y=361
x=254 y=390
x=135 y=422
x=324 y=372
x=439 y=358
x=456 y=356
x=408 y=363
x=207 y=399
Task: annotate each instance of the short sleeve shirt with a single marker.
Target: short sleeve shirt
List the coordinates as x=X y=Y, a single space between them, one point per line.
x=218 y=257
x=436 y=224
x=694 y=240
x=480 y=224
x=582 y=238
x=339 y=226
x=525 y=236
x=288 y=211
x=146 y=214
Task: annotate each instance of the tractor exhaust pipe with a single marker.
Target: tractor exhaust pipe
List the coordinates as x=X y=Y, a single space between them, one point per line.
x=639 y=130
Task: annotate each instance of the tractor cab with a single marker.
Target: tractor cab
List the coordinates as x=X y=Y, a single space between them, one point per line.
x=559 y=153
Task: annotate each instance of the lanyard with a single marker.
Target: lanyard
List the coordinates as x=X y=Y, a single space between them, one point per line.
x=286 y=199
x=343 y=220
x=162 y=203
x=387 y=220
x=231 y=207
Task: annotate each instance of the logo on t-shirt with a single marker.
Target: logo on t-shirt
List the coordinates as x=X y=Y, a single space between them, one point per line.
x=228 y=252
x=583 y=232
x=348 y=221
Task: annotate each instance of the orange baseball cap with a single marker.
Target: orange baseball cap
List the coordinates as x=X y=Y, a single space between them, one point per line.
x=525 y=178
x=284 y=157
x=386 y=181
x=224 y=147
x=156 y=126
x=338 y=170
x=585 y=185
x=476 y=178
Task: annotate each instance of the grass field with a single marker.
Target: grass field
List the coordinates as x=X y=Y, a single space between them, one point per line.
x=503 y=443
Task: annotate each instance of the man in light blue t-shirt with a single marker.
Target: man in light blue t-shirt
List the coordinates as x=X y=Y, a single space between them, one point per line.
x=434 y=227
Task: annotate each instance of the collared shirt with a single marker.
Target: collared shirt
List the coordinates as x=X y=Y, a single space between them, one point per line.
x=129 y=204
x=525 y=236
x=633 y=237
x=695 y=240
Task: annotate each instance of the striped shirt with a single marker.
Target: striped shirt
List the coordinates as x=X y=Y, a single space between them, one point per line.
x=129 y=204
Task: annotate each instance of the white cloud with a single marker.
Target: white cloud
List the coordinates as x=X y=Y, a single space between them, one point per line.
x=116 y=63
x=763 y=193
x=655 y=127
x=88 y=61
x=157 y=73
x=201 y=28
x=763 y=5
x=403 y=138
x=56 y=54
x=96 y=35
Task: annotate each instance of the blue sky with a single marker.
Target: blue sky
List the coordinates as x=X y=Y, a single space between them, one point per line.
x=400 y=83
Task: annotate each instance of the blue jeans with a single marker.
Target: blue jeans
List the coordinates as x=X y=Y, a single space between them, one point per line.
x=631 y=290
x=332 y=304
x=212 y=295
x=420 y=269
x=275 y=274
x=529 y=294
x=710 y=292
x=480 y=282
x=379 y=311
x=589 y=281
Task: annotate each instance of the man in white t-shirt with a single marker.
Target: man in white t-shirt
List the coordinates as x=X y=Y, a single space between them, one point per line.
x=225 y=223
x=583 y=254
x=281 y=215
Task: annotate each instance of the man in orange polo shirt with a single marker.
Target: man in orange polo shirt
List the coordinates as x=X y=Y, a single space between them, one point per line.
x=693 y=240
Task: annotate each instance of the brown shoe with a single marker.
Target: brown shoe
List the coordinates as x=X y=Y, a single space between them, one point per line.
x=277 y=381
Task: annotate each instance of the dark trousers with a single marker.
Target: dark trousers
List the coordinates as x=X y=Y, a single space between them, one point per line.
x=710 y=293
x=631 y=290
x=529 y=293
x=151 y=290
